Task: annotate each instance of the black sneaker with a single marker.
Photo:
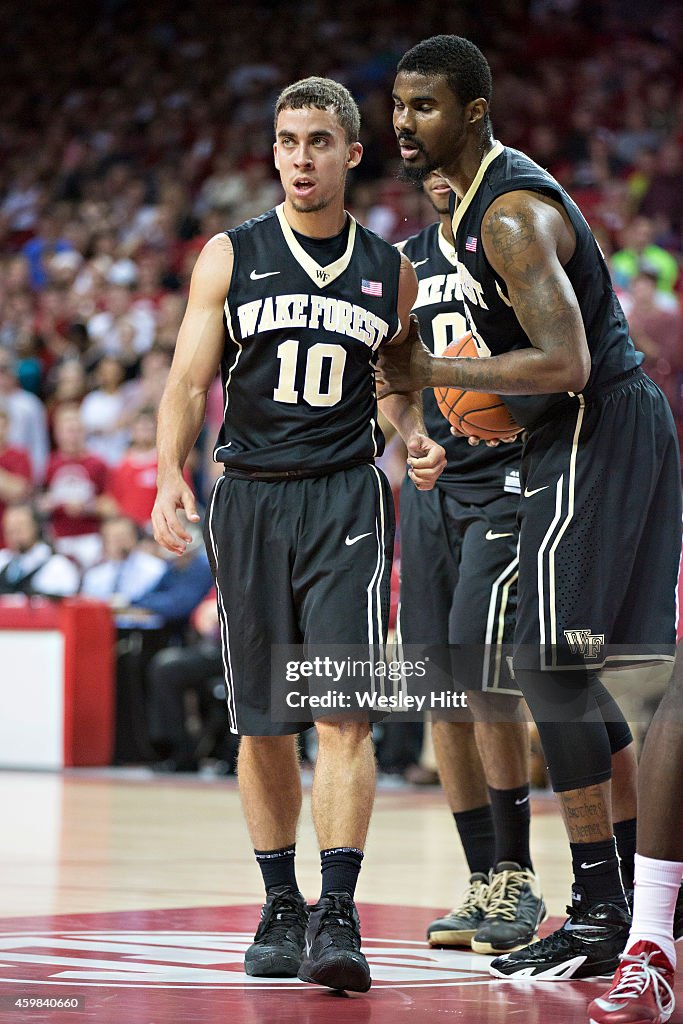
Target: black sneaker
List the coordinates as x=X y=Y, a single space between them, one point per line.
x=587 y=945
x=279 y=941
x=458 y=927
x=514 y=910
x=333 y=955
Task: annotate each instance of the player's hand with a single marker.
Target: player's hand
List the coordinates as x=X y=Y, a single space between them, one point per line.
x=426 y=461
x=404 y=367
x=492 y=442
x=168 y=530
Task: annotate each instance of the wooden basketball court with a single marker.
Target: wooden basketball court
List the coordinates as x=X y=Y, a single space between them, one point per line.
x=136 y=896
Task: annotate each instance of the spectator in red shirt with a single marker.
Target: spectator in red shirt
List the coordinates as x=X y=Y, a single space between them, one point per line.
x=133 y=483
x=75 y=496
x=15 y=471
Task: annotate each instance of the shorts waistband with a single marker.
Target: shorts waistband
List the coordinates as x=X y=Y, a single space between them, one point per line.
x=596 y=391
x=288 y=474
x=614 y=382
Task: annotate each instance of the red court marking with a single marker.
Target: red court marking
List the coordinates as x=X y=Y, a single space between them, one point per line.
x=171 y=966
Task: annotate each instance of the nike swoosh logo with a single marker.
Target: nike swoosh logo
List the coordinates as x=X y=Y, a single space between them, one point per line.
x=524 y=799
x=490 y=535
x=605 y=1004
x=420 y=262
x=528 y=493
x=569 y=927
x=354 y=540
x=257 y=277
x=596 y=864
x=309 y=947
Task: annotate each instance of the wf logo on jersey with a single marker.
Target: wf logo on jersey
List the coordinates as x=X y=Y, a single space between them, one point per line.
x=585 y=643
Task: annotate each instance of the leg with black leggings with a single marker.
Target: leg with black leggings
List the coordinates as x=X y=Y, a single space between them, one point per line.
x=581 y=728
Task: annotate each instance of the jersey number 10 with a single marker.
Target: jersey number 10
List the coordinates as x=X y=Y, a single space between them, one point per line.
x=320 y=357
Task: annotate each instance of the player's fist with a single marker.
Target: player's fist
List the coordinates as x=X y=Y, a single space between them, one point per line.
x=404 y=366
x=426 y=461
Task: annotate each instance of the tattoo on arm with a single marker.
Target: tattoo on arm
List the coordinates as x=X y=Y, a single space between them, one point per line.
x=542 y=297
x=510 y=234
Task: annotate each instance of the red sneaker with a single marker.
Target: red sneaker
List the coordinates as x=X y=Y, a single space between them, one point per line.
x=641 y=992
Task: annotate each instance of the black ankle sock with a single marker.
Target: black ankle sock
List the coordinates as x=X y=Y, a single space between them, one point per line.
x=596 y=872
x=625 y=835
x=277 y=866
x=511 y=817
x=340 y=867
x=478 y=838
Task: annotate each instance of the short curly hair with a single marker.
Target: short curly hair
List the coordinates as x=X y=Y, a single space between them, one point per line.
x=322 y=93
x=458 y=60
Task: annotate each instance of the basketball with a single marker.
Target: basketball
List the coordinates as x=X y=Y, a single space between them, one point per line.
x=474 y=412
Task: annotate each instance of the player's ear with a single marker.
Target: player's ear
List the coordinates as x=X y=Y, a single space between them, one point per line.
x=355 y=154
x=476 y=110
x=275 y=157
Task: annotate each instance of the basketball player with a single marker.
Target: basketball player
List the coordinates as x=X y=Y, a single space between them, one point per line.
x=300 y=526
x=465 y=530
x=642 y=989
x=600 y=505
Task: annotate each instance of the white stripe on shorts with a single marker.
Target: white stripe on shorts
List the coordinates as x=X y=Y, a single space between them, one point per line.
x=223 y=620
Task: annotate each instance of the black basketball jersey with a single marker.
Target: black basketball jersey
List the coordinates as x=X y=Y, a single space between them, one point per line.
x=488 y=310
x=472 y=474
x=300 y=348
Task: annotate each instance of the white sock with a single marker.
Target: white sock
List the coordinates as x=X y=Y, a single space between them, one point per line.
x=656 y=890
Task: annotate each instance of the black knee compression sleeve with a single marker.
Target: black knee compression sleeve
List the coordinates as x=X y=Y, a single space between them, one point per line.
x=617 y=727
x=570 y=724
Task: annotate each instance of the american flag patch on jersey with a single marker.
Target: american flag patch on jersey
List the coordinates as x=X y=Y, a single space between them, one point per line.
x=471 y=243
x=371 y=288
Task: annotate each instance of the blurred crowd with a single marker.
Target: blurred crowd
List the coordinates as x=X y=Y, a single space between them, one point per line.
x=130 y=134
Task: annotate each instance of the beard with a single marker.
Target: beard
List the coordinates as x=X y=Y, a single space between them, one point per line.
x=416 y=175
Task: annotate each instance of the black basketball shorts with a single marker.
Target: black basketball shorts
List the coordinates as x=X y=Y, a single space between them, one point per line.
x=600 y=532
x=297 y=562
x=459 y=584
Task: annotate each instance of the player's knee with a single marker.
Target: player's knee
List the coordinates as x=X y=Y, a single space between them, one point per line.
x=620 y=736
x=267 y=748
x=494 y=707
x=577 y=754
x=342 y=734
x=443 y=729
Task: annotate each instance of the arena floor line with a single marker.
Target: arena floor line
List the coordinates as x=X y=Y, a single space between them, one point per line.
x=138 y=896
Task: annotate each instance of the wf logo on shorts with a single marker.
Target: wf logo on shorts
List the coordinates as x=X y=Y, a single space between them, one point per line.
x=582 y=641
